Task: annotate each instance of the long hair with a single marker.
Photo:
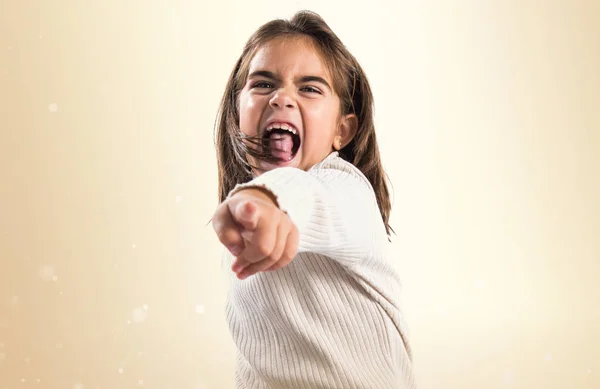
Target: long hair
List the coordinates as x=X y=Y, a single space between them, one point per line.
x=349 y=83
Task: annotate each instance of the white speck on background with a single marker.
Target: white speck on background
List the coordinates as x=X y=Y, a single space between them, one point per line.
x=480 y=284
x=548 y=357
x=509 y=378
x=47 y=273
x=178 y=198
x=443 y=311
x=200 y=308
x=78 y=386
x=54 y=278
x=145 y=307
x=140 y=382
x=139 y=315
x=121 y=370
x=14 y=301
x=133 y=246
x=53 y=107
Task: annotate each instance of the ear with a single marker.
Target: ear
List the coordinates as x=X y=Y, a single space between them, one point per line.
x=346 y=131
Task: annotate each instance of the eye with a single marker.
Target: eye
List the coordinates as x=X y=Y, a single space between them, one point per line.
x=262 y=85
x=310 y=89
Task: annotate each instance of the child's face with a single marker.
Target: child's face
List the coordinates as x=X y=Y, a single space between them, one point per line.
x=289 y=83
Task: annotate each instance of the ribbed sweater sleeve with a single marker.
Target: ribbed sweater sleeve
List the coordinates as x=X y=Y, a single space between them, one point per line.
x=334 y=210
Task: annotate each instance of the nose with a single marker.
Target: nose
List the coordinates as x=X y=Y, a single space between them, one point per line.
x=282 y=99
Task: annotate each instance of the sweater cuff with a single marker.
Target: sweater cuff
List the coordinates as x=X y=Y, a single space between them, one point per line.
x=262 y=187
x=295 y=200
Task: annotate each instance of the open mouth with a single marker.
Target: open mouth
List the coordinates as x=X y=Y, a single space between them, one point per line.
x=282 y=141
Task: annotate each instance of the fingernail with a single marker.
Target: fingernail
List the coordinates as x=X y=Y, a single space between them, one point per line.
x=236 y=268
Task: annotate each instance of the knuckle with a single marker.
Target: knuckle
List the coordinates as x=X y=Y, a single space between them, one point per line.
x=263 y=248
x=222 y=234
x=270 y=262
x=290 y=253
x=285 y=258
x=277 y=266
x=271 y=266
x=273 y=215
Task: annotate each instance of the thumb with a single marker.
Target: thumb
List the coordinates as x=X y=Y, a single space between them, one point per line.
x=246 y=214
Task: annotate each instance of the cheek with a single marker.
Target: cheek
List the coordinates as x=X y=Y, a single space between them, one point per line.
x=323 y=118
x=323 y=112
x=249 y=114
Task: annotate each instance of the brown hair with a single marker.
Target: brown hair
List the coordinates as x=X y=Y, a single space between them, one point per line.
x=350 y=84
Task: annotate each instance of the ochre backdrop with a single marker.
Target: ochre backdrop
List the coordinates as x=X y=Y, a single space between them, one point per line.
x=488 y=116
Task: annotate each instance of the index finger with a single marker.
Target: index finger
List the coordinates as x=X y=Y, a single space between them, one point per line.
x=227 y=230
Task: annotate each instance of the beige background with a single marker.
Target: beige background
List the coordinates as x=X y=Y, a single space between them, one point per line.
x=488 y=114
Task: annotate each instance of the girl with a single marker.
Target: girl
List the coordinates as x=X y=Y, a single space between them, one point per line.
x=304 y=215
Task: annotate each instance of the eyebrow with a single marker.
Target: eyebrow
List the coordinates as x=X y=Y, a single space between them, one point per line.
x=273 y=76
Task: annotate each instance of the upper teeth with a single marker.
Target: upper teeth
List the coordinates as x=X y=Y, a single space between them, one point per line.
x=282 y=126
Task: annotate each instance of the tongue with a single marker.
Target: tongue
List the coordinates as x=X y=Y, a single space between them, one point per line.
x=281 y=146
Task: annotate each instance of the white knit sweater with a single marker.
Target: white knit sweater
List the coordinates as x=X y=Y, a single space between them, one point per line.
x=331 y=318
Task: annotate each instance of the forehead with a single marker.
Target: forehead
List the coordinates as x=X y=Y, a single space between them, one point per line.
x=290 y=56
